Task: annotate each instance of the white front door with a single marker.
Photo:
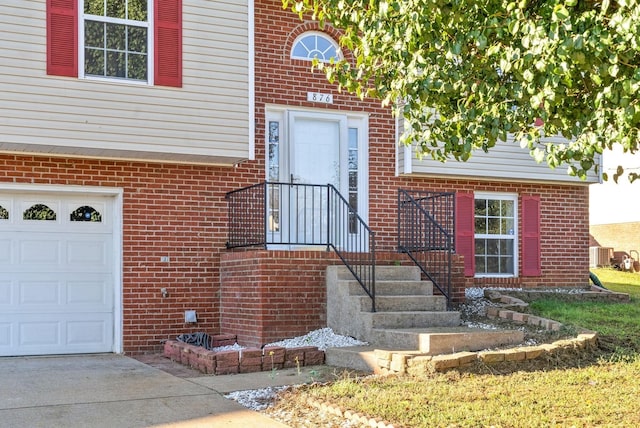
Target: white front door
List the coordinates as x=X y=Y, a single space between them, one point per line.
x=309 y=150
x=316 y=151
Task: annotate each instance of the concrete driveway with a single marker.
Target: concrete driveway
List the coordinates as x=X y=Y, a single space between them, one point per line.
x=116 y=391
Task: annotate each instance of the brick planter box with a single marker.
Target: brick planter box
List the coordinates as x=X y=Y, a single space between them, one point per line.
x=247 y=360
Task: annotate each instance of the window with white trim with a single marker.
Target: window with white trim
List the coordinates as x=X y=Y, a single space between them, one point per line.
x=116 y=39
x=496 y=234
x=312 y=45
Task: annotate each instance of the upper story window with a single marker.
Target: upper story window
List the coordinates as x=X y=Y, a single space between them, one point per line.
x=127 y=40
x=313 y=45
x=116 y=39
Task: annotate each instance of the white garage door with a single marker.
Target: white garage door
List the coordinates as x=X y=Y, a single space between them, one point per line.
x=56 y=274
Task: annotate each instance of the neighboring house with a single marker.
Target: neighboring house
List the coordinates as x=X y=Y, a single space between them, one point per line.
x=122 y=131
x=614 y=209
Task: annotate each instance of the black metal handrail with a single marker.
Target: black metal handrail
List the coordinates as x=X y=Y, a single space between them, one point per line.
x=426 y=230
x=273 y=213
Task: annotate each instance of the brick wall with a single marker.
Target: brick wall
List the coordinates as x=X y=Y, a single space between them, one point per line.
x=180 y=211
x=268 y=296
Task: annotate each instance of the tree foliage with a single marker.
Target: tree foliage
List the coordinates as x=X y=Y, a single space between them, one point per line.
x=467 y=73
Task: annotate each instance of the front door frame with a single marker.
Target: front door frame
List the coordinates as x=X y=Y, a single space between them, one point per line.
x=356 y=122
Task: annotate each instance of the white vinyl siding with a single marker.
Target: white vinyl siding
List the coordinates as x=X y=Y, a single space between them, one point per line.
x=504 y=161
x=507 y=160
x=208 y=120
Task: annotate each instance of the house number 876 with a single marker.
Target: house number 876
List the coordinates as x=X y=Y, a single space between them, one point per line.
x=317 y=97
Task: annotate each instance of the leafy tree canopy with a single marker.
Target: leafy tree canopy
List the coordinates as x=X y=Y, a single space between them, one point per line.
x=470 y=72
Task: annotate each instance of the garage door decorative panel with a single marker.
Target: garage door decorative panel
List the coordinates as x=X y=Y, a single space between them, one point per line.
x=58 y=256
x=39 y=293
x=5 y=335
x=85 y=332
x=41 y=251
x=5 y=251
x=87 y=253
x=39 y=333
x=5 y=294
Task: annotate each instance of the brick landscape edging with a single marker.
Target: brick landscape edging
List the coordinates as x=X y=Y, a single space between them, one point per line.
x=390 y=362
x=246 y=360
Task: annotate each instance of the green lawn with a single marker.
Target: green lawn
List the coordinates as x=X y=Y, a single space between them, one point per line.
x=603 y=390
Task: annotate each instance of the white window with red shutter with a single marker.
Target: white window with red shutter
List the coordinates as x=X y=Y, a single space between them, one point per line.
x=495 y=234
x=137 y=41
x=487 y=234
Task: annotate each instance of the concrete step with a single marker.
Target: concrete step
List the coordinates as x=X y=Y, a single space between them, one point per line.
x=383 y=273
x=392 y=287
x=353 y=357
x=446 y=340
x=413 y=319
x=432 y=341
x=404 y=303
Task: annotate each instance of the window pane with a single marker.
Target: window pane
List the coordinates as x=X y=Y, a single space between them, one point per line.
x=480 y=264
x=493 y=207
x=116 y=36
x=300 y=51
x=322 y=44
x=116 y=8
x=39 y=212
x=4 y=213
x=353 y=180
x=138 y=10
x=507 y=226
x=137 y=39
x=94 y=7
x=506 y=265
x=137 y=66
x=353 y=200
x=94 y=34
x=493 y=247
x=481 y=246
x=493 y=265
x=481 y=225
x=481 y=207
x=116 y=65
x=85 y=213
x=493 y=226
x=507 y=208
x=94 y=62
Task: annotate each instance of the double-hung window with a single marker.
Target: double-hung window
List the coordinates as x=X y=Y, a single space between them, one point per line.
x=495 y=221
x=116 y=39
x=125 y=40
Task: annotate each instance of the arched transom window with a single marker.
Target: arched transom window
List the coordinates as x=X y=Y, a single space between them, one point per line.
x=315 y=45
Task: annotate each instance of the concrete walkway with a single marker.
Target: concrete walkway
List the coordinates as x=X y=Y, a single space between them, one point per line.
x=115 y=391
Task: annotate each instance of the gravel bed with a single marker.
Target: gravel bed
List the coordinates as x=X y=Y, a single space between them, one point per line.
x=260 y=399
x=323 y=338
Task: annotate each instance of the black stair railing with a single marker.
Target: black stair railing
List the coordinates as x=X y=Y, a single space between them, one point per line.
x=426 y=230
x=295 y=214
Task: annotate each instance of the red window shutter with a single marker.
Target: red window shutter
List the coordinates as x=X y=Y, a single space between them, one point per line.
x=62 y=37
x=531 y=265
x=168 y=43
x=465 y=231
